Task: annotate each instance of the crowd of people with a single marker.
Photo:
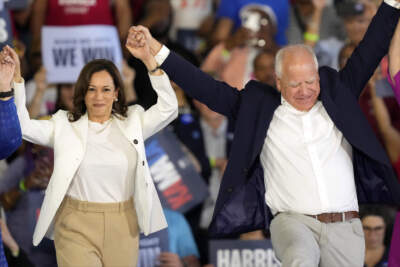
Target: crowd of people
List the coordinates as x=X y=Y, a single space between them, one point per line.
x=217 y=116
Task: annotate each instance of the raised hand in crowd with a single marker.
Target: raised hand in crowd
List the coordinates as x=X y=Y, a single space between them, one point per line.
x=7 y=69
x=239 y=38
x=41 y=86
x=128 y=75
x=394 y=63
x=319 y=4
x=390 y=135
x=311 y=36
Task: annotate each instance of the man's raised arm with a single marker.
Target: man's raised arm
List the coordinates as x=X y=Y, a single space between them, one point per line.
x=217 y=95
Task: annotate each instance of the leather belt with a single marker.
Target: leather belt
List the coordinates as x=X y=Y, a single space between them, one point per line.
x=336 y=216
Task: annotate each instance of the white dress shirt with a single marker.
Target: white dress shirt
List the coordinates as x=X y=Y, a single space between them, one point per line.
x=307 y=163
x=106 y=173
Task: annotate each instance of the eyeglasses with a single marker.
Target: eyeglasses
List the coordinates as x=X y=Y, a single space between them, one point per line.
x=373 y=229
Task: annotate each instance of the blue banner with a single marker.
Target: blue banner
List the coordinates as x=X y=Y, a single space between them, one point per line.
x=179 y=185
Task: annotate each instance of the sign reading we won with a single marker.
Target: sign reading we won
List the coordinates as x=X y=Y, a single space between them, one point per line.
x=67 y=49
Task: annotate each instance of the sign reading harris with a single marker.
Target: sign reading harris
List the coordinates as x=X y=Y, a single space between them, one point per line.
x=67 y=49
x=242 y=253
x=179 y=185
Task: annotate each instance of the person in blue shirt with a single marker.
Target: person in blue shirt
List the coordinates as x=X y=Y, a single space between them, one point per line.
x=10 y=130
x=229 y=20
x=171 y=247
x=182 y=247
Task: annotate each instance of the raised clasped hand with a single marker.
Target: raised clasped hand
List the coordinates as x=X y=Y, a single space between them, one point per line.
x=138 y=44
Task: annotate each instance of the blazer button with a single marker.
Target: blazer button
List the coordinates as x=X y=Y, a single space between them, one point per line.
x=135 y=141
x=245 y=170
x=229 y=189
x=143 y=162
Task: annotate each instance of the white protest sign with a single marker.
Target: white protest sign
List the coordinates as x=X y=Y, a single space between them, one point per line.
x=242 y=253
x=66 y=50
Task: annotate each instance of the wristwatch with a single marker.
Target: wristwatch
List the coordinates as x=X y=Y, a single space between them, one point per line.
x=7 y=94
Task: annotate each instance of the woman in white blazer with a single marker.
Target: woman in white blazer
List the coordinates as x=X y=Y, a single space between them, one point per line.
x=100 y=195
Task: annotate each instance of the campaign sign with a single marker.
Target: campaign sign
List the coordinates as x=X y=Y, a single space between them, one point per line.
x=150 y=248
x=179 y=185
x=242 y=253
x=6 y=36
x=16 y=4
x=67 y=49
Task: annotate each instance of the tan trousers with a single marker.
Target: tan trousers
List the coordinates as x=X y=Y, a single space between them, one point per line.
x=302 y=241
x=96 y=234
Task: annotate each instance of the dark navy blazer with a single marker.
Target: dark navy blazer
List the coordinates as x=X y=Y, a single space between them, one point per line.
x=241 y=203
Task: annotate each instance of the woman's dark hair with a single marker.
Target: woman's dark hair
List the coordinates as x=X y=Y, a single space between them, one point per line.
x=119 y=107
x=59 y=102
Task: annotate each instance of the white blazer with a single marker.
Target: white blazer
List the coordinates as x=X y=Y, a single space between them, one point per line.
x=69 y=143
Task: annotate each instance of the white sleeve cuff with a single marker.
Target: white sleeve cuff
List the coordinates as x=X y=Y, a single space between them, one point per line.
x=20 y=85
x=159 y=80
x=162 y=55
x=393 y=3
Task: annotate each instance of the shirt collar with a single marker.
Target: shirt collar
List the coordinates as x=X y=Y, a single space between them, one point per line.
x=288 y=107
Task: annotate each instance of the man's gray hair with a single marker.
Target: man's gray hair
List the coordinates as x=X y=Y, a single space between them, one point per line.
x=281 y=53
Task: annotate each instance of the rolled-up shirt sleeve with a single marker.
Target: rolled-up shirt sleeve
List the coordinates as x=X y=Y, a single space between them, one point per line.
x=10 y=130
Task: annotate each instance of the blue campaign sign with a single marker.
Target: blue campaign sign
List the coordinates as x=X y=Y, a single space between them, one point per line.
x=150 y=248
x=179 y=185
x=242 y=253
x=6 y=36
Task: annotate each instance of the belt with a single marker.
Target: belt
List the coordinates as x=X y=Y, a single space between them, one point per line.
x=335 y=216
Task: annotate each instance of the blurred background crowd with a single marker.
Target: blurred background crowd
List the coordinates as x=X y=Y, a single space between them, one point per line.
x=232 y=40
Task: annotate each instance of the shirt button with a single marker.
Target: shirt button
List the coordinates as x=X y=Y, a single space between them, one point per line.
x=135 y=141
x=229 y=189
